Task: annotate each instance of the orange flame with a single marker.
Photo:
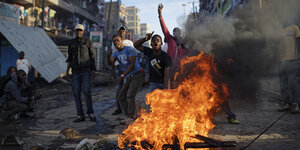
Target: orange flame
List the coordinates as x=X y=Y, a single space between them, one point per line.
x=182 y=112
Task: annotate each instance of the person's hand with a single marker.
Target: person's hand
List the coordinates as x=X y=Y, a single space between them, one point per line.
x=68 y=75
x=160 y=7
x=93 y=74
x=149 y=36
x=111 y=76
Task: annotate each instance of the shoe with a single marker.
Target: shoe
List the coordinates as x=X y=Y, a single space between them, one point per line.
x=295 y=109
x=117 y=111
x=92 y=117
x=25 y=115
x=79 y=119
x=234 y=121
x=285 y=107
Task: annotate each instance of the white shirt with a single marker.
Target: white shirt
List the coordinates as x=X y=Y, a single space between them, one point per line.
x=126 y=42
x=165 y=47
x=23 y=64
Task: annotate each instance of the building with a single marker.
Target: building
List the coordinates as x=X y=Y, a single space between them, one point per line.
x=133 y=22
x=115 y=17
x=145 y=28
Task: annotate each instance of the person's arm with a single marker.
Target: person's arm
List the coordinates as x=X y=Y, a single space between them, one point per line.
x=15 y=92
x=138 y=44
x=163 y=25
x=131 y=65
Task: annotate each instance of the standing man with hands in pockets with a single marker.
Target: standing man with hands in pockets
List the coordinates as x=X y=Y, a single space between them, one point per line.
x=81 y=58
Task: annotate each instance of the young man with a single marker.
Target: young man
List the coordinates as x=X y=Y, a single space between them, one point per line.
x=81 y=58
x=132 y=73
x=117 y=69
x=12 y=101
x=160 y=62
x=175 y=49
x=288 y=69
x=23 y=63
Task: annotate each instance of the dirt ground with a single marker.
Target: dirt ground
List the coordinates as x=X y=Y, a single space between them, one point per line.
x=56 y=110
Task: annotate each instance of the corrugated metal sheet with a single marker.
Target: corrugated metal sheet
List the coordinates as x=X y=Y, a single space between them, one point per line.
x=42 y=52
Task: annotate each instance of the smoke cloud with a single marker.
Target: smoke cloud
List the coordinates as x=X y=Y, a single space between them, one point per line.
x=246 y=43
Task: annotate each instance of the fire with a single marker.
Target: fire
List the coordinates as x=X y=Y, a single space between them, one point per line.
x=182 y=112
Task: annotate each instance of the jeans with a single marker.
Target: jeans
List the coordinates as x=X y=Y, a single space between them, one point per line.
x=288 y=81
x=82 y=79
x=155 y=85
x=128 y=92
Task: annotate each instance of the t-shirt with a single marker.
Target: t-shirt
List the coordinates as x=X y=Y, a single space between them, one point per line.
x=157 y=63
x=125 y=42
x=123 y=58
x=23 y=64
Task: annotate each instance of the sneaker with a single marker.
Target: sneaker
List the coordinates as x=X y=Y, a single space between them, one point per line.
x=117 y=111
x=92 y=117
x=295 y=109
x=285 y=107
x=79 y=119
x=234 y=121
x=127 y=121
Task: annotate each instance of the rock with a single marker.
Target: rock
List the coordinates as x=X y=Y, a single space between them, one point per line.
x=69 y=133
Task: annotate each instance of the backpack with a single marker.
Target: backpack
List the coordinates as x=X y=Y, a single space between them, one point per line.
x=3 y=81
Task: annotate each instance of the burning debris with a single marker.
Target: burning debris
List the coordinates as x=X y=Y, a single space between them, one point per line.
x=182 y=112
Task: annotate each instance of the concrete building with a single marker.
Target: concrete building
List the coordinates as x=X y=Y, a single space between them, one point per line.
x=133 y=22
x=115 y=17
x=145 y=28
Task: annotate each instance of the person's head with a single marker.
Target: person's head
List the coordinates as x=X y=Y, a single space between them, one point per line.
x=79 y=30
x=156 y=42
x=117 y=41
x=176 y=32
x=122 y=32
x=21 y=55
x=21 y=75
x=11 y=70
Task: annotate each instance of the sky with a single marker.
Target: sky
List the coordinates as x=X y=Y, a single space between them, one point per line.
x=173 y=12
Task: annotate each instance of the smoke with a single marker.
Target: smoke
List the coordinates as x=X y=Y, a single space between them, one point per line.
x=246 y=43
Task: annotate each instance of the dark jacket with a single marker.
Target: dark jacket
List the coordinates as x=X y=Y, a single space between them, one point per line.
x=81 y=55
x=12 y=91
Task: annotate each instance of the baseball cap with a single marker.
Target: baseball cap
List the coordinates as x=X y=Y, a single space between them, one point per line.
x=122 y=27
x=79 y=27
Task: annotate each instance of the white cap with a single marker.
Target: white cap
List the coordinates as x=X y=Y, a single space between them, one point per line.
x=79 y=26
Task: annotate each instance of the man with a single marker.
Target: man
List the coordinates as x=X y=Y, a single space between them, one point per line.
x=12 y=101
x=122 y=32
x=81 y=58
x=288 y=70
x=175 y=49
x=160 y=62
x=132 y=73
x=23 y=63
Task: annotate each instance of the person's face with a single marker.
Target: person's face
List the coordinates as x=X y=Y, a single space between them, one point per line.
x=21 y=55
x=79 y=33
x=176 y=32
x=22 y=76
x=122 y=33
x=156 y=43
x=13 y=70
x=117 y=41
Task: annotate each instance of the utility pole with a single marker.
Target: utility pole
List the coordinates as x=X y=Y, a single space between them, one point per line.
x=43 y=14
x=107 y=25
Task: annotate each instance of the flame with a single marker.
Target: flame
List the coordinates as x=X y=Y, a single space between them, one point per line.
x=182 y=112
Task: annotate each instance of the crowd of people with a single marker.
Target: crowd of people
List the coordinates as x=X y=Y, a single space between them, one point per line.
x=130 y=62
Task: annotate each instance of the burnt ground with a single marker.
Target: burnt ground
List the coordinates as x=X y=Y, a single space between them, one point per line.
x=56 y=110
